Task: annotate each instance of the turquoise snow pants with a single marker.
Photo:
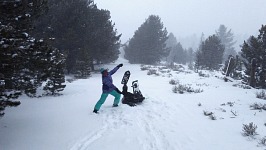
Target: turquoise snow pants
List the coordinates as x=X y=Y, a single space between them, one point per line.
x=104 y=96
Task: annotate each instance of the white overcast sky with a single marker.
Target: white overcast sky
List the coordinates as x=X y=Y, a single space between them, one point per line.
x=187 y=17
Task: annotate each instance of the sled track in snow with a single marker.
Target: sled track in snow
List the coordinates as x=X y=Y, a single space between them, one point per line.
x=155 y=138
x=145 y=120
x=84 y=143
x=114 y=120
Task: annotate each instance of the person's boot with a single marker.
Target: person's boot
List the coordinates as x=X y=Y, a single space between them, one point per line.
x=95 y=111
x=115 y=105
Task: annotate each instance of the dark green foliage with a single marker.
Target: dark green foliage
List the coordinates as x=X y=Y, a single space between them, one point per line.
x=83 y=70
x=249 y=129
x=55 y=72
x=227 y=39
x=177 y=53
x=255 y=49
x=210 y=53
x=25 y=62
x=171 y=41
x=17 y=46
x=4 y=104
x=148 y=43
x=81 y=31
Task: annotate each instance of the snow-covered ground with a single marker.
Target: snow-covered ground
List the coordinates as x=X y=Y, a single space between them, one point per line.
x=164 y=121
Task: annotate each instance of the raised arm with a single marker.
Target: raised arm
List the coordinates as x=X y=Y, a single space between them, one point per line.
x=115 y=69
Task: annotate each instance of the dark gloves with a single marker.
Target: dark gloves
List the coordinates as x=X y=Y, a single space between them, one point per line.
x=120 y=65
x=118 y=91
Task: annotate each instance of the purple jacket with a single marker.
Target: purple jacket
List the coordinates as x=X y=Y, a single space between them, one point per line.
x=107 y=81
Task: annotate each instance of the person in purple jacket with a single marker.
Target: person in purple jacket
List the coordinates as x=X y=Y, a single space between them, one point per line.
x=108 y=88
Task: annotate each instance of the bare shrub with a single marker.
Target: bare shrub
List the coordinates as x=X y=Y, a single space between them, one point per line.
x=183 y=88
x=199 y=104
x=243 y=86
x=162 y=68
x=261 y=95
x=210 y=114
x=152 y=71
x=201 y=74
x=173 y=82
x=144 y=67
x=175 y=89
x=187 y=88
x=212 y=117
x=263 y=141
x=198 y=90
x=70 y=80
x=202 y=84
x=231 y=104
x=178 y=67
x=207 y=113
x=249 y=129
x=257 y=106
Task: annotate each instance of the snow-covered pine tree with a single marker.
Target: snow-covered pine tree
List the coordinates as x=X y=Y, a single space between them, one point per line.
x=227 y=39
x=15 y=48
x=255 y=49
x=148 y=43
x=55 y=72
x=170 y=43
x=81 y=26
x=190 y=55
x=16 y=22
x=210 y=53
x=178 y=54
x=198 y=54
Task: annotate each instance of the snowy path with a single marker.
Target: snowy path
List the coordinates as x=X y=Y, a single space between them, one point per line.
x=138 y=120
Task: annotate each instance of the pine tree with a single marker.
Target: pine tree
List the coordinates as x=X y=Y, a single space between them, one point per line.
x=210 y=53
x=55 y=72
x=171 y=40
x=227 y=39
x=83 y=28
x=170 y=43
x=16 y=23
x=148 y=43
x=190 y=55
x=178 y=54
x=24 y=59
x=199 y=55
x=255 y=49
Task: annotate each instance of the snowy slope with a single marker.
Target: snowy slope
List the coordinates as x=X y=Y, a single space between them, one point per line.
x=165 y=120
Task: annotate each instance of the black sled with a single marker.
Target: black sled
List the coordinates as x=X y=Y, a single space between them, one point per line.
x=131 y=99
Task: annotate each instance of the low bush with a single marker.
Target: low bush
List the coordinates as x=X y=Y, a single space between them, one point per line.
x=261 y=95
x=144 y=67
x=152 y=71
x=210 y=114
x=258 y=106
x=263 y=141
x=181 y=89
x=249 y=129
x=173 y=82
x=201 y=74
